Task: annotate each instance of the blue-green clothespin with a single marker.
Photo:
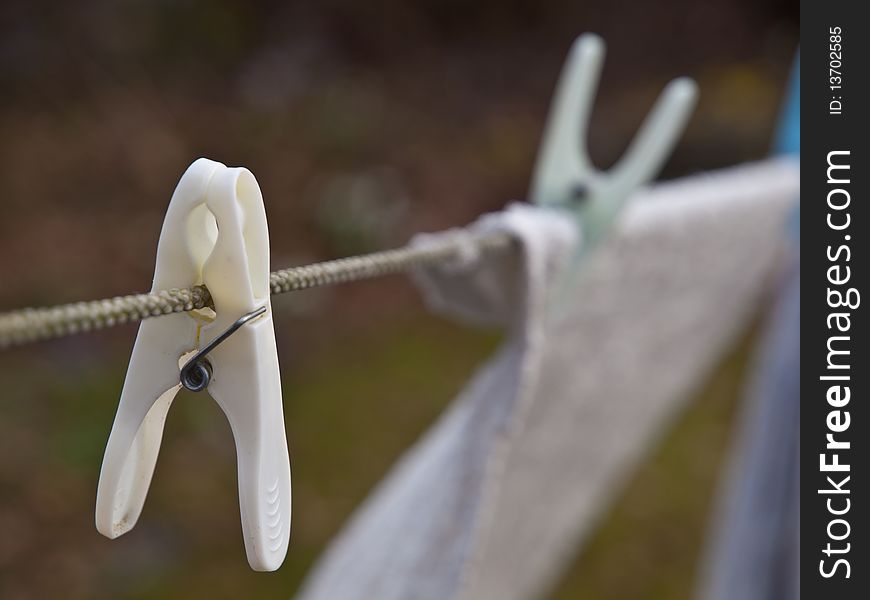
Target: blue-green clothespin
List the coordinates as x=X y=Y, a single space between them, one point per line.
x=564 y=176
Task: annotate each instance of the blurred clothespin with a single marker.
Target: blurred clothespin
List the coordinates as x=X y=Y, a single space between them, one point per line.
x=214 y=234
x=564 y=176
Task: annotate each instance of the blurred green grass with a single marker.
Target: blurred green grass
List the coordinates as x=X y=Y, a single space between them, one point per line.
x=351 y=408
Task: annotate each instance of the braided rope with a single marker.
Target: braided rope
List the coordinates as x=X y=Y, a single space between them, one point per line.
x=354 y=268
x=34 y=324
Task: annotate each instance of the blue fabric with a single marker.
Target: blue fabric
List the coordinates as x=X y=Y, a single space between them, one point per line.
x=757 y=547
x=788 y=137
x=756 y=551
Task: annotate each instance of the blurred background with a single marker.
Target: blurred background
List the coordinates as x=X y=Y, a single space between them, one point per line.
x=364 y=123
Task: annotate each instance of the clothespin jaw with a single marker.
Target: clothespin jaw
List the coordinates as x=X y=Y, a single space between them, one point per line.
x=564 y=176
x=215 y=234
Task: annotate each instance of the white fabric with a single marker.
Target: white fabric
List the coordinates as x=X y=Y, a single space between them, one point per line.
x=419 y=524
x=496 y=496
x=754 y=553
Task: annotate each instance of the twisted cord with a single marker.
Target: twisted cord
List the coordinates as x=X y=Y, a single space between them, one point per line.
x=367 y=266
x=34 y=324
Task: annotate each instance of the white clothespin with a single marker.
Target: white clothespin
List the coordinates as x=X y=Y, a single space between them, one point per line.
x=564 y=175
x=215 y=234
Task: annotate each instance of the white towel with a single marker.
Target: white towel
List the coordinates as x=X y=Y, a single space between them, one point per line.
x=755 y=550
x=413 y=536
x=495 y=497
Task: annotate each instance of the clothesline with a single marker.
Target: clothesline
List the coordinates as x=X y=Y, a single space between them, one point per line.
x=35 y=324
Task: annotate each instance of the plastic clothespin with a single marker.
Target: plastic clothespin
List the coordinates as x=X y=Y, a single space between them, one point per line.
x=564 y=175
x=215 y=234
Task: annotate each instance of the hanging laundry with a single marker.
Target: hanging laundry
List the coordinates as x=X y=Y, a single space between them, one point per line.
x=756 y=550
x=497 y=495
x=427 y=510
